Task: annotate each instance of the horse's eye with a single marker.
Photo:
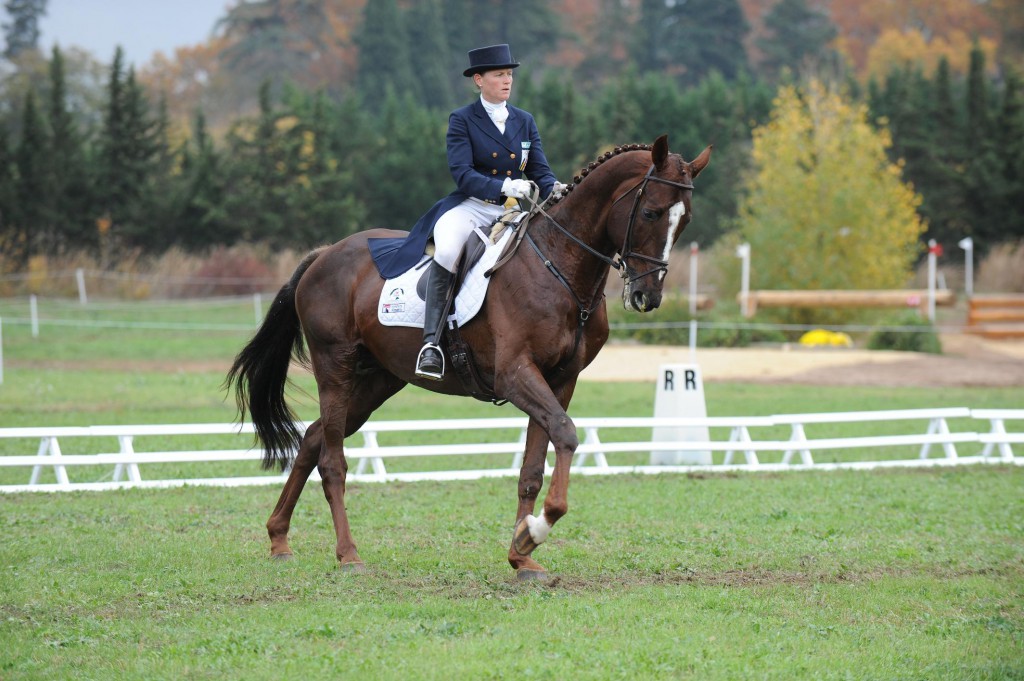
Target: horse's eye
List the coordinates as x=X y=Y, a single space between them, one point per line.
x=651 y=214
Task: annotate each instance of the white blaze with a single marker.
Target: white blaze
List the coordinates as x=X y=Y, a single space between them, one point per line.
x=675 y=216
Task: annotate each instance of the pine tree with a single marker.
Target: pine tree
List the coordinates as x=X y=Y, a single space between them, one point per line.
x=983 y=174
x=12 y=246
x=428 y=46
x=692 y=39
x=22 y=32
x=1010 y=146
x=199 y=220
x=71 y=191
x=941 y=182
x=797 y=34
x=34 y=191
x=128 y=152
x=385 y=63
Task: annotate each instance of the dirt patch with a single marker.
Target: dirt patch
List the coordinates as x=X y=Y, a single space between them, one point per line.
x=966 y=361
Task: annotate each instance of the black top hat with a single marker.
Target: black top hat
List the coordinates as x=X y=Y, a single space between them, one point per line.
x=490 y=59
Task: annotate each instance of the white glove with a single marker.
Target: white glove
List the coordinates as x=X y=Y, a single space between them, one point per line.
x=516 y=189
x=558 y=191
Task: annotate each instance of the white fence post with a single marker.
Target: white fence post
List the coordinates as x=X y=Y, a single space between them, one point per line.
x=80 y=278
x=967 y=244
x=33 y=308
x=693 y=278
x=743 y=252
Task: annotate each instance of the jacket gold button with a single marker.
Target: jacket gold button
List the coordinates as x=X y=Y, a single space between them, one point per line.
x=512 y=156
x=509 y=173
x=494 y=154
x=494 y=171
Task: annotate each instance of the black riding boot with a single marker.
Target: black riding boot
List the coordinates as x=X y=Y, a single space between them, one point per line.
x=430 y=362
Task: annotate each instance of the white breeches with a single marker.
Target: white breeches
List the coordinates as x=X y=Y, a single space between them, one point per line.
x=453 y=228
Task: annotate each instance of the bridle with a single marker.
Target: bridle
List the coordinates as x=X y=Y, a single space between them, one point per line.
x=618 y=263
x=625 y=271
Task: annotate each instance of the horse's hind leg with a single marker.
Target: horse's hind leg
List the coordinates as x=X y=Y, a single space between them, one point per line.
x=280 y=519
x=344 y=408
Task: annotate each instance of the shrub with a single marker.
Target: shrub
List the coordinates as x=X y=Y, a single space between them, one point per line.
x=669 y=325
x=913 y=335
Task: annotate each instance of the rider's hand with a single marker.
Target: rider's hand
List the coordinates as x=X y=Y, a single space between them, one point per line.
x=516 y=189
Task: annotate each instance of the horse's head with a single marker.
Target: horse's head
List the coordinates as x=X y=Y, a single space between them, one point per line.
x=660 y=212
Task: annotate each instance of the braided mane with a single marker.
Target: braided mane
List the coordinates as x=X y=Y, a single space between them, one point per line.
x=598 y=161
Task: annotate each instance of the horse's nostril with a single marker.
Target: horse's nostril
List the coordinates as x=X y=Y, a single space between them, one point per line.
x=640 y=301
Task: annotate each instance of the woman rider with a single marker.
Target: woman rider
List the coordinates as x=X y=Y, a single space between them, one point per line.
x=491 y=147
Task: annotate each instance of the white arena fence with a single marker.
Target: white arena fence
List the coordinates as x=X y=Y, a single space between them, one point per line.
x=766 y=443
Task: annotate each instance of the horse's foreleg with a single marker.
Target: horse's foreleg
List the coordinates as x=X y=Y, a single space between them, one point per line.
x=531 y=480
x=280 y=519
x=547 y=416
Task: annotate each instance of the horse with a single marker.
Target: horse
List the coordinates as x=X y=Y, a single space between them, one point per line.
x=543 y=320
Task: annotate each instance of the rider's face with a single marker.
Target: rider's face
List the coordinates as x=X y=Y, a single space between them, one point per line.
x=495 y=86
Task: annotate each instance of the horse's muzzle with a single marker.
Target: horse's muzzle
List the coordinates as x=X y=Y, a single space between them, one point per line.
x=641 y=301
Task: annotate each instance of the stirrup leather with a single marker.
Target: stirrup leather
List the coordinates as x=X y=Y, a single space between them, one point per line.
x=419 y=360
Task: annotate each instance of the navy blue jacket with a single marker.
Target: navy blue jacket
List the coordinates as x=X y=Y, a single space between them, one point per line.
x=479 y=158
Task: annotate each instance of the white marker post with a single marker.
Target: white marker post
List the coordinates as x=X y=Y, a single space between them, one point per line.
x=743 y=252
x=83 y=299
x=680 y=394
x=33 y=310
x=967 y=244
x=693 y=278
x=934 y=251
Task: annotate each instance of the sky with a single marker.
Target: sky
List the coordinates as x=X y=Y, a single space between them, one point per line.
x=141 y=27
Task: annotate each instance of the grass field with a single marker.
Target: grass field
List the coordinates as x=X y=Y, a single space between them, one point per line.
x=888 y=575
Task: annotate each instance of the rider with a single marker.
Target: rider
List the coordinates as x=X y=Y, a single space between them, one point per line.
x=491 y=147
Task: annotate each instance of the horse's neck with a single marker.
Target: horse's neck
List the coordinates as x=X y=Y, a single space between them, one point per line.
x=585 y=212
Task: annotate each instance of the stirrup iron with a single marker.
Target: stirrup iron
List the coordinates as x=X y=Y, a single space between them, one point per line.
x=431 y=375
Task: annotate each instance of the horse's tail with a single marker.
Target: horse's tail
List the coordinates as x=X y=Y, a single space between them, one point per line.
x=260 y=374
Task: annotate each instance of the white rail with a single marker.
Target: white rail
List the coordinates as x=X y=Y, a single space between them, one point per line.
x=592 y=456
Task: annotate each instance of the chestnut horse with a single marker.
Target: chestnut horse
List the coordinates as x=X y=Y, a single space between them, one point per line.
x=543 y=321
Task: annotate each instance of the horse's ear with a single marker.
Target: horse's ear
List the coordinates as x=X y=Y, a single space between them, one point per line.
x=698 y=164
x=659 y=152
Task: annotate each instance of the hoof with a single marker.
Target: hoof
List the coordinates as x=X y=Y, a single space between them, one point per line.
x=530 y=575
x=354 y=568
x=282 y=556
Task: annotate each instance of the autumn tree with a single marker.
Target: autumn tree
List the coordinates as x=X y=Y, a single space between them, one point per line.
x=825 y=208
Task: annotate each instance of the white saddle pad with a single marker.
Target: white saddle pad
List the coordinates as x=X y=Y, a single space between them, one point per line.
x=400 y=305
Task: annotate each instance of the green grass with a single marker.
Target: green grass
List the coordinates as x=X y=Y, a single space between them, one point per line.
x=895 y=574
x=844 y=575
